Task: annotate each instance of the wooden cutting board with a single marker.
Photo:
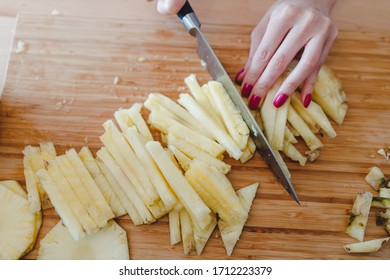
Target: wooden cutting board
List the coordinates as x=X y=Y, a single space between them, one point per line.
x=62 y=90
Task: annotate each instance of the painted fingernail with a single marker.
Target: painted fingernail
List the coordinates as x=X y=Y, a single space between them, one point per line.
x=246 y=90
x=254 y=102
x=238 y=78
x=307 y=101
x=279 y=101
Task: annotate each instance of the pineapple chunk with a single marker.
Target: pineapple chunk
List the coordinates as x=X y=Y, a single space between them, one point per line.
x=359 y=216
x=308 y=136
x=367 y=246
x=230 y=233
x=328 y=93
x=375 y=178
x=110 y=243
x=232 y=119
x=18 y=230
x=101 y=181
x=218 y=134
x=187 y=196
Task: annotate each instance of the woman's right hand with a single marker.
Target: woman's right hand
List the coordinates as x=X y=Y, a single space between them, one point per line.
x=169 y=7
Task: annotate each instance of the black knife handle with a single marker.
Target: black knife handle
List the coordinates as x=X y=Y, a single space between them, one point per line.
x=185 y=10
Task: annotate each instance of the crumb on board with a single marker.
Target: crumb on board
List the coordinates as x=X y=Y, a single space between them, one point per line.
x=21 y=47
x=312 y=155
x=384 y=152
x=181 y=89
x=117 y=80
x=141 y=59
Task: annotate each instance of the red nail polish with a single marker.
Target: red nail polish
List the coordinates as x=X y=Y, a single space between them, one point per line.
x=246 y=90
x=238 y=78
x=254 y=102
x=279 y=101
x=307 y=101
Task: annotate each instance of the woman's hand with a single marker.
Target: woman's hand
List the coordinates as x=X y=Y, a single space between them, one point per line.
x=288 y=27
x=169 y=7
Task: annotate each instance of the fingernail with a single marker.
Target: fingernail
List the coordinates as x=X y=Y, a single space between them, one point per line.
x=279 y=101
x=254 y=102
x=246 y=90
x=238 y=78
x=307 y=101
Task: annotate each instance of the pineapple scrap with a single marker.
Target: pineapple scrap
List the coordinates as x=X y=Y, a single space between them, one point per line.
x=375 y=178
x=359 y=216
x=110 y=243
x=384 y=152
x=367 y=246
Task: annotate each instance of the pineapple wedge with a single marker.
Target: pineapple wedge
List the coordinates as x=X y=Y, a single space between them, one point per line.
x=18 y=231
x=218 y=134
x=230 y=233
x=367 y=246
x=187 y=196
x=202 y=236
x=359 y=216
x=110 y=243
x=101 y=181
x=375 y=178
x=328 y=93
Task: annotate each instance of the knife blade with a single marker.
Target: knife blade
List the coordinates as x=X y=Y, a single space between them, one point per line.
x=218 y=73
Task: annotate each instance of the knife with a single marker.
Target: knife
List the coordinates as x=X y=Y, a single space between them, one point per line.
x=216 y=70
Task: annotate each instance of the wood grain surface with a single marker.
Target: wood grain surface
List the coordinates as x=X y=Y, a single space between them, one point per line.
x=62 y=90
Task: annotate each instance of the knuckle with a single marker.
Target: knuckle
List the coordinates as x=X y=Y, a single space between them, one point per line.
x=280 y=63
x=260 y=88
x=309 y=65
x=311 y=16
x=251 y=76
x=290 y=86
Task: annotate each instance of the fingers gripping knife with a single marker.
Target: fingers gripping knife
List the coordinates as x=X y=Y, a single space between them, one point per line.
x=216 y=70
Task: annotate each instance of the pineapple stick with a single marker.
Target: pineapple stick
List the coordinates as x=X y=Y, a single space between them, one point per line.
x=184 y=161
x=78 y=188
x=116 y=187
x=316 y=113
x=187 y=196
x=174 y=227
x=127 y=160
x=289 y=136
x=248 y=151
x=304 y=114
x=62 y=207
x=126 y=185
x=220 y=135
x=194 y=152
x=203 y=100
x=231 y=116
x=280 y=126
x=187 y=232
x=137 y=142
x=308 y=136
x=167 y=125
x=101 y=181
x=290 y=151
x=71 y=198
x=215 y=114
x=90 y=186
x=183 y=116
x=282 y=163
x=202 y=236
x=48 y=151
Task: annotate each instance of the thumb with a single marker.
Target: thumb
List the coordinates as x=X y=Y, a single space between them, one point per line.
x=169 y=7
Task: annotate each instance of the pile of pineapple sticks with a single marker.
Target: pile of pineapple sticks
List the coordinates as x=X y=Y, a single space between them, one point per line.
x=134 y=174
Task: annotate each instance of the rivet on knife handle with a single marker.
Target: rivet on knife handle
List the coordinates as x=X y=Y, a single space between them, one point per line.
x=189 y=18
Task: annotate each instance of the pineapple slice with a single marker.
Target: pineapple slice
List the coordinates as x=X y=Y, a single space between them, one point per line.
x=110 y=243
x=375 y=178
x=101 y=181
x=168 y=125
x=232 y=119
x=308 y=136
x=230 y=233
x=367 y=246
x=329 y=95
x=18 y=231
x=220 y=135
x=194 y=152
x=359 y=216
x=186 y=194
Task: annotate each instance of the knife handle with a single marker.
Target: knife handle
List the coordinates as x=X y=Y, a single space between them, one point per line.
x=188 y=18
